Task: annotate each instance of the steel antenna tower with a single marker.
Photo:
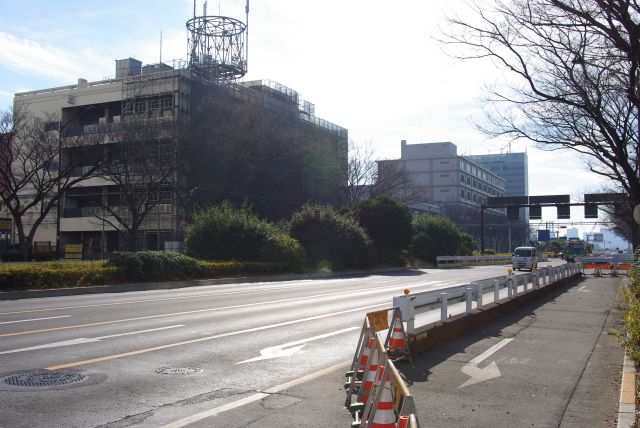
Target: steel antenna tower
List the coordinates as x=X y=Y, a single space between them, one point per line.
x=217 y=47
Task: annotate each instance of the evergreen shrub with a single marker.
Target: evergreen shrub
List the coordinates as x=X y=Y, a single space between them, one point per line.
x=331 y=240
x=227 y=233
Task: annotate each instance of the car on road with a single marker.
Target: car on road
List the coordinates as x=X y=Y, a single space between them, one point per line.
x=525 y=258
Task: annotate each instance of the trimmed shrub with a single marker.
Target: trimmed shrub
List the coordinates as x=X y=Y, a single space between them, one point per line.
x=227 y=233
x=435 y=235
x=154 y=266
x=24 y=276
x=330 y=239
x=388 y=224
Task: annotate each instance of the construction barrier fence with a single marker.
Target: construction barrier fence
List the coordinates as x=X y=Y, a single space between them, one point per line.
x=377 y=396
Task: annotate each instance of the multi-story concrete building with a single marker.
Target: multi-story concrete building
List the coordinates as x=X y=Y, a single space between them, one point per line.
x=184 y=110
x=513 y=168
x=445 y=178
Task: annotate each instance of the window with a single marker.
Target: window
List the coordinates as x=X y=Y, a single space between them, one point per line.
x=462 y=179
x=167 y=103
x=139 y=107
x=154 y=104
x=462 y=193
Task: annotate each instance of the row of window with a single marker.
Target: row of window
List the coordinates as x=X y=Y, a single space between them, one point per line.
x=470 y=196
x=477 y=172
x=153 y=104
x=479 y=185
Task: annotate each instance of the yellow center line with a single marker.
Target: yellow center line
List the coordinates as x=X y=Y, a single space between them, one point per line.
x=203 y=339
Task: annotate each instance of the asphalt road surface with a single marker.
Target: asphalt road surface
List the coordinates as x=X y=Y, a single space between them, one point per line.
x=152 y=358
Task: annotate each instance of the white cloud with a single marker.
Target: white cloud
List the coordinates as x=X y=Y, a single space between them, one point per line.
x=25 y=56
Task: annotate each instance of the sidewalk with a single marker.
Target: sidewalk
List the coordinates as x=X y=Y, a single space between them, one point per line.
x=562 y=367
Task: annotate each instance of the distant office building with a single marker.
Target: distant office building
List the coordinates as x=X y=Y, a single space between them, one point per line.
x=513 y=168
x=444 y=178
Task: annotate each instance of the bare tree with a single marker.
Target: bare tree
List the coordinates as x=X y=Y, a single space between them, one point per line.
x=572 y=68
x=33 y=176
x=368 y=177
x=141 y=168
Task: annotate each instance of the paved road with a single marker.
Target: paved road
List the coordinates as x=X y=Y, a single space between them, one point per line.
x=558 y=366
x=120 y=341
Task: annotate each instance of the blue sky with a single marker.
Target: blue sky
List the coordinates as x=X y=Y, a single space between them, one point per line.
x=372 y=67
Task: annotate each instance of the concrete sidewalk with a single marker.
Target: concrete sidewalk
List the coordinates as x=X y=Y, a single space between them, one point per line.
x=562 y=366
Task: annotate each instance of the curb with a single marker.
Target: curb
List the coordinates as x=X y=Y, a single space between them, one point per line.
x=627 y=407
x=146 y=286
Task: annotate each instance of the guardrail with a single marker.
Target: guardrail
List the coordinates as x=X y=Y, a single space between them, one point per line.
x=471 y=260
x=477 y=291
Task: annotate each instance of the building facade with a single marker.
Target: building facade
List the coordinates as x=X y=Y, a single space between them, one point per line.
x=187 y=120
x=445 y=178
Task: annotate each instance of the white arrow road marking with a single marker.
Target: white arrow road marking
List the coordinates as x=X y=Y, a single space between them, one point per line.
x=491 y=371
x=584 y=289
x=83 y=340
x=291 y=348
x=34 y=319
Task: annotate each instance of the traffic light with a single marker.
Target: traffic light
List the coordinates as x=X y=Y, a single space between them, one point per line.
x=564 y=212
x=535 y=212
x=590 y=211
x=513 y=213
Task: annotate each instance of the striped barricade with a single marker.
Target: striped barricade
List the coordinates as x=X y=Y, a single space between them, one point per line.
x=373 y=323
x=377 y=396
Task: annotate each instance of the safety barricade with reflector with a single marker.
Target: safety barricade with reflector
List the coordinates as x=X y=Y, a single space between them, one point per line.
x=377 y=396
x=605 y=266
x=373 y=323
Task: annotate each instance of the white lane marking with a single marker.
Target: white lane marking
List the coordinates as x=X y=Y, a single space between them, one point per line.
x=254 y=397
x=35 y=319
x=84 y=340
x=491 y=371
x=420 y=285
x=584 y=289
x=291 y=348
x=196 y=311
x=207 y=338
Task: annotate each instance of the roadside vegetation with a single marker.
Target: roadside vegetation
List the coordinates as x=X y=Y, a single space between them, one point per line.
x=632 y=311
x=226 y=241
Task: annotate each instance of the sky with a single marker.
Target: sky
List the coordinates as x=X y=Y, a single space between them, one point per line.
x=373 y=67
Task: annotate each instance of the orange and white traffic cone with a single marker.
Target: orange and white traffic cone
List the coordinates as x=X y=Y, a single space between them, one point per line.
x=385 y=415
x=403 y=421
x=371 y=376
x=398 y=341
x=365 y=352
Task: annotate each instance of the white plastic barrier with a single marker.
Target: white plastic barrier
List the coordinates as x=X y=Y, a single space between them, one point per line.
x=475 y=292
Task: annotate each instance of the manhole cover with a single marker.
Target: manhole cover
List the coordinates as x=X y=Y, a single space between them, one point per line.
x=177 y=370
x=43 y=379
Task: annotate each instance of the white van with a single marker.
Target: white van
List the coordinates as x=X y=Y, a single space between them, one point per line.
x=525 y=258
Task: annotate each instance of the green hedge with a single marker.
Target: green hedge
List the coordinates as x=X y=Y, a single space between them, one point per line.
x=42 y=275
x=125 y=267
x=224 y=232
x=632 y=311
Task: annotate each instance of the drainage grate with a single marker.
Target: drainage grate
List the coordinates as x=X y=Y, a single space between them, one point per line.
x=43 y=379
x=177 y=370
